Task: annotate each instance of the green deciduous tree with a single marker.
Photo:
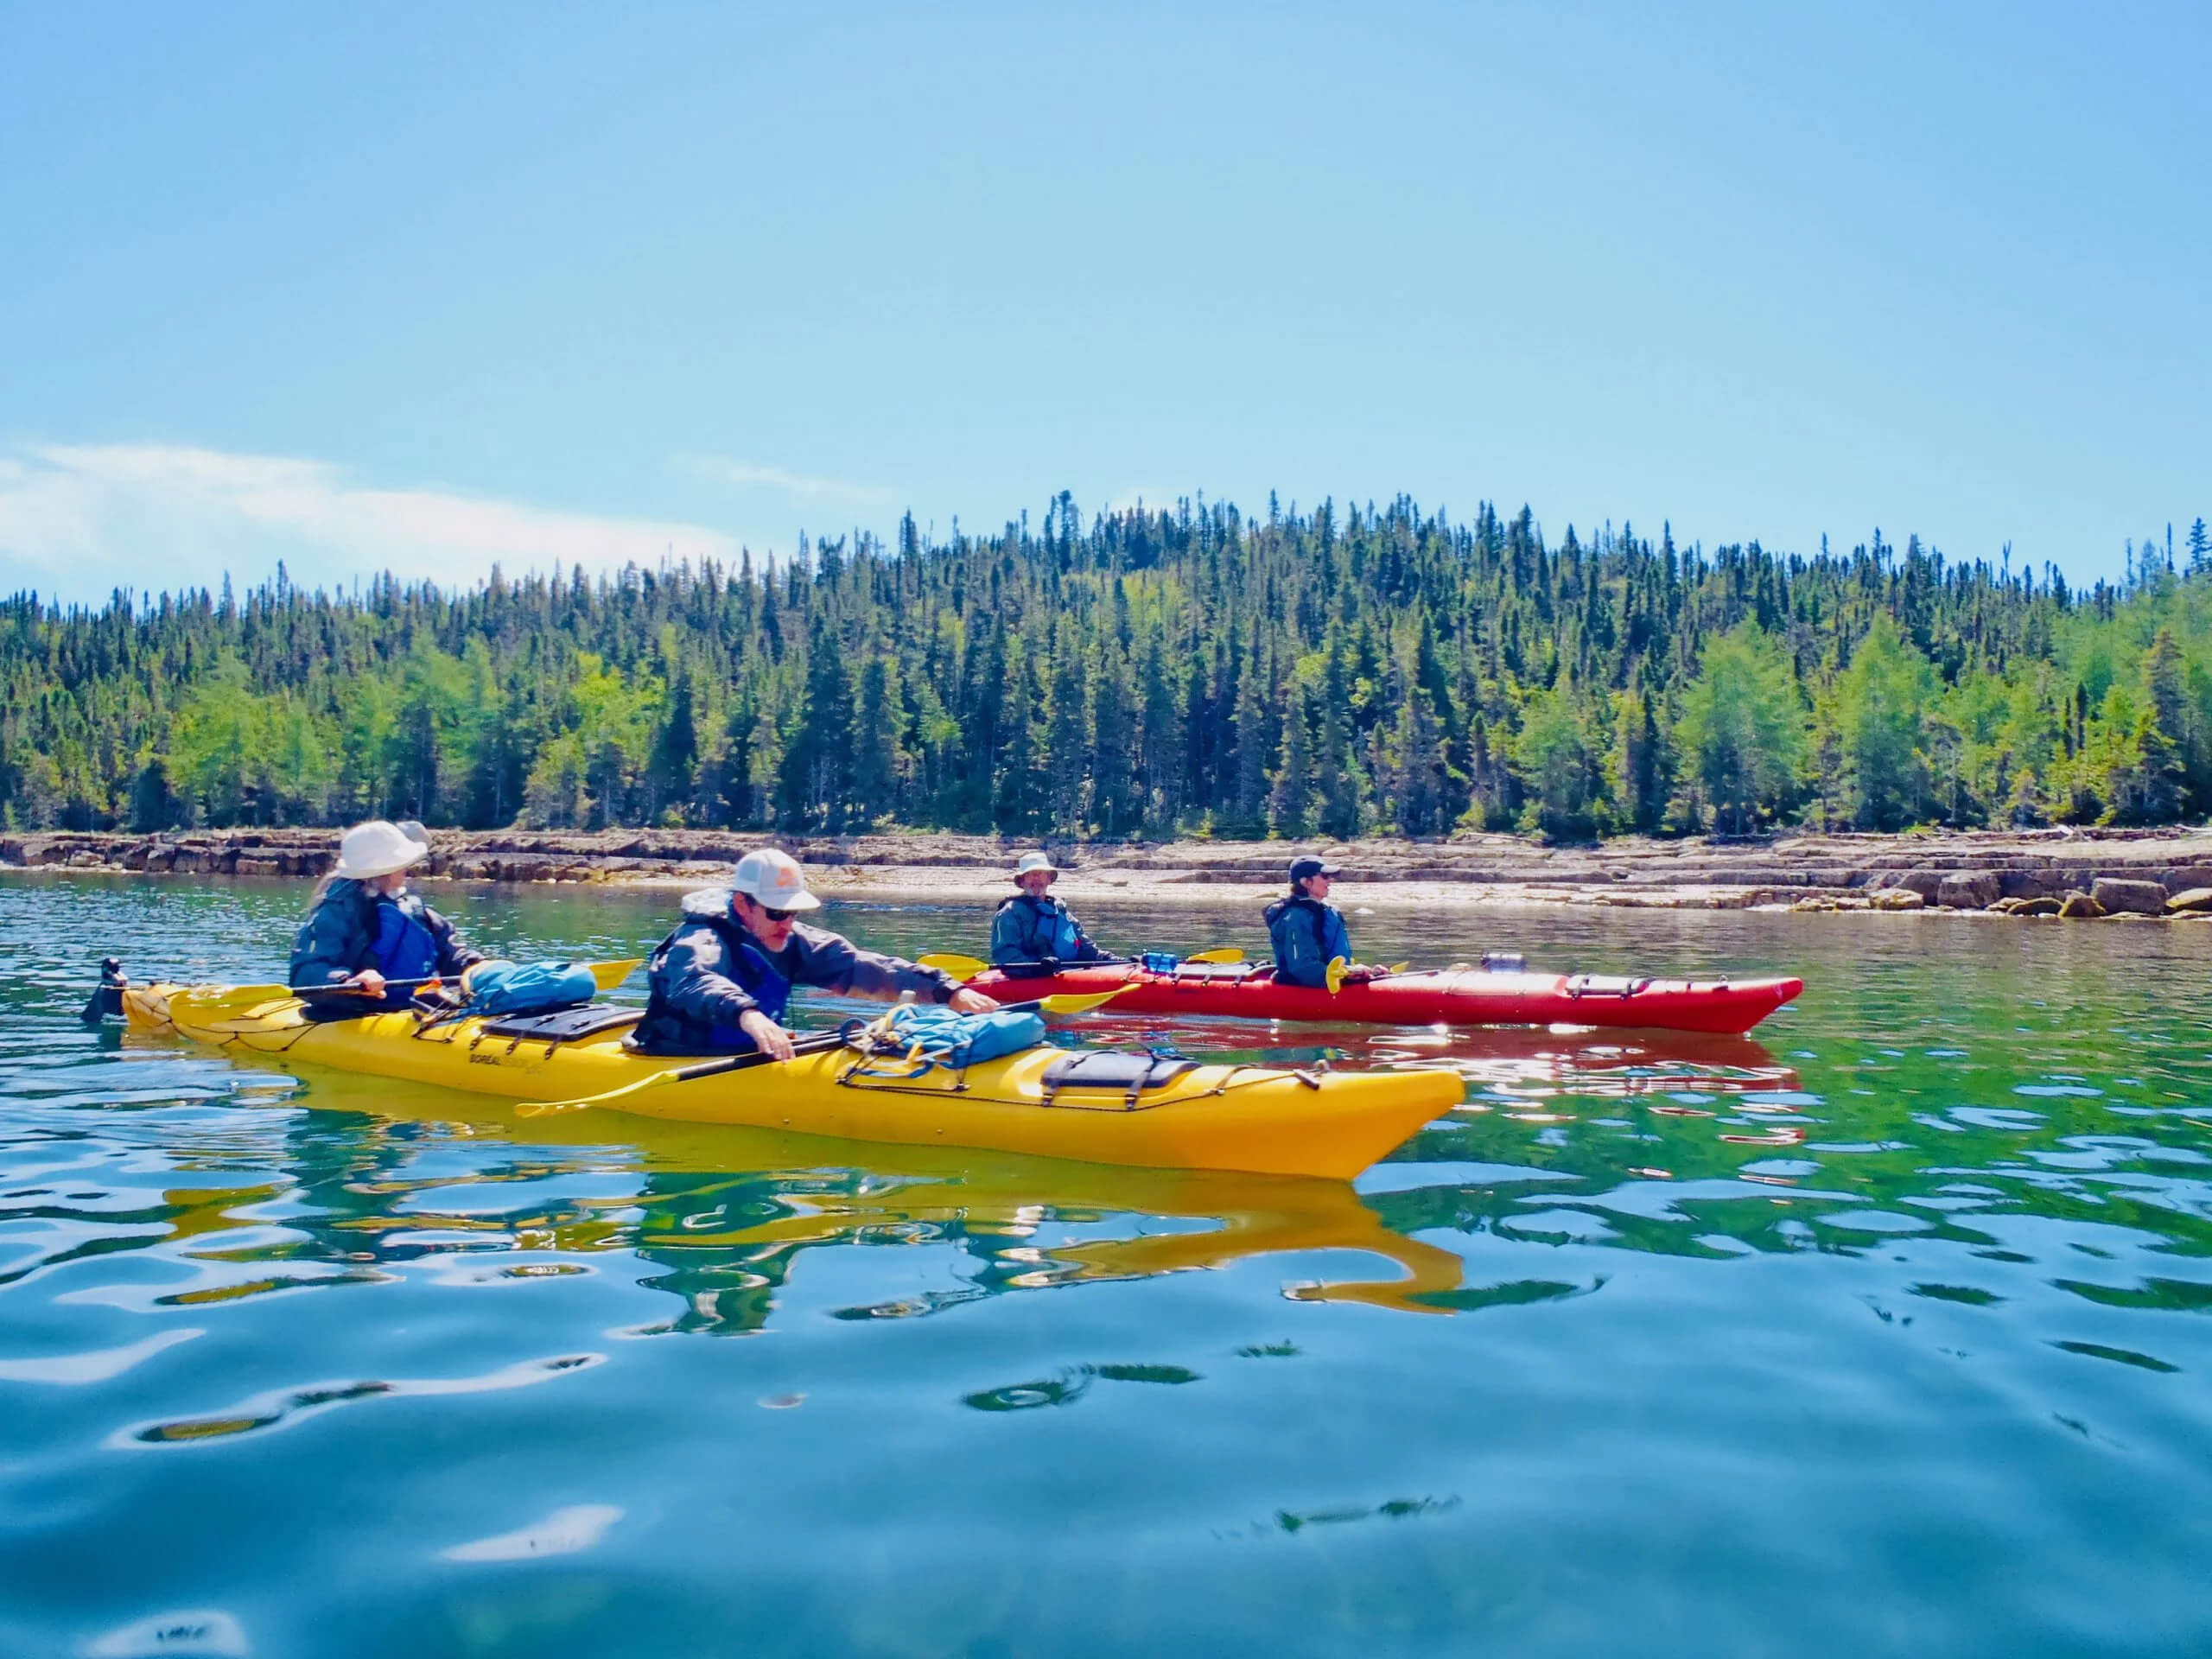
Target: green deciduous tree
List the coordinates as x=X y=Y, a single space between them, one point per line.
x=1878 y=711
x=1742 y=730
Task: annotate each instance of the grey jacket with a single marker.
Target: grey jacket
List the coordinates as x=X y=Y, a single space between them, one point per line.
x=711 y=971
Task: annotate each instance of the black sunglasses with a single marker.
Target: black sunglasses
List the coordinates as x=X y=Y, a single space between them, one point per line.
x=776 y=915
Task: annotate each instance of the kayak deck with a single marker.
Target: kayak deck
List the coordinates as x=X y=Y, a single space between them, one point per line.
x=1460 y=997
x=1239 y=1117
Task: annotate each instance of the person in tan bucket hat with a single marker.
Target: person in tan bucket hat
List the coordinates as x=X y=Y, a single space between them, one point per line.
x=720 y=983
x=1030 y=925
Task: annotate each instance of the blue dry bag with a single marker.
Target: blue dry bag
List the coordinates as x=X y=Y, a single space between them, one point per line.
x=505 y=988
x=958 y=1040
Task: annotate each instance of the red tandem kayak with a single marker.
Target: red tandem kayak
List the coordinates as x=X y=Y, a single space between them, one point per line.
x=1470 y=997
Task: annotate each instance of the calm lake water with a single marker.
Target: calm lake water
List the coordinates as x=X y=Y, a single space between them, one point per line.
x=1885 y=1333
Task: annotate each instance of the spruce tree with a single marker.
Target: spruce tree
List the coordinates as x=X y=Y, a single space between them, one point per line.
x=675 y=753
x=879 y=758
x=1114 y=805
x=1291 y=796
x=1067 y=739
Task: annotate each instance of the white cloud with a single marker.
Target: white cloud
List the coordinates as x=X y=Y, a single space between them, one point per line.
x=1152 y=501
x=753 y=476
x=76 y=521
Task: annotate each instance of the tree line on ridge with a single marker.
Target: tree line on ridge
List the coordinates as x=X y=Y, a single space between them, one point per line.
x=1151 y=673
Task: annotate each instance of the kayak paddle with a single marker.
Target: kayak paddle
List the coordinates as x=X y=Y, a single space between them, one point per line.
x=951 y=962
x=222 y=1001
x=816 y=1043
x=1338 y=968
x=961 y=967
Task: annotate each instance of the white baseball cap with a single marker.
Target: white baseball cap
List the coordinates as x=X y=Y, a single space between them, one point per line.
x=1029 y=862
x=774 y=881
x=377 y=848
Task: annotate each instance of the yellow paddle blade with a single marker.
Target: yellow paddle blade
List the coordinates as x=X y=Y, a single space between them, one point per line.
x=958 y=966
x=1071 y=1002
x=1397 y=968
x=1219 y=953
x=228 y=1001
x=1335 y=977
x=609 y=974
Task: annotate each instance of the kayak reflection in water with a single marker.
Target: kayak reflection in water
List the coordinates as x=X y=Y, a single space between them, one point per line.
x=720 y=981
x=1308 y=933
x=1032 y=927
x=364 y=928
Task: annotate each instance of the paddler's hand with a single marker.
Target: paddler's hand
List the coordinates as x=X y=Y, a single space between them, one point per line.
x=368 y=982
x=767 y=1036
x=967 y=1001
x=1360 y=972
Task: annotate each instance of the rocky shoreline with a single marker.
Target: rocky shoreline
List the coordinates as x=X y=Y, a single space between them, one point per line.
x=2069 y=873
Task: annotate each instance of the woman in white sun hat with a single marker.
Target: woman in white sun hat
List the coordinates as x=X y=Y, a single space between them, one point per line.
x=364 y=928
x=1031 y=926
x=720 y=981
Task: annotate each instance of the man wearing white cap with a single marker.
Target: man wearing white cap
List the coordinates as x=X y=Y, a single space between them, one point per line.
x=1030 y=927
x=364 y=928
x=720 y=983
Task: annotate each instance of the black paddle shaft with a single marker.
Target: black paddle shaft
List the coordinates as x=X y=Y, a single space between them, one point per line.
x=344 y=988
x=106 y=999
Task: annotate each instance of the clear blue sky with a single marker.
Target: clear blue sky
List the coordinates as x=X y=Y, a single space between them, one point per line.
x=430 y=285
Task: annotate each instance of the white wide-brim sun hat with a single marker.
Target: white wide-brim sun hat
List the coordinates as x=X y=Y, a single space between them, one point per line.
x=377 y=848
x=773 y=881
x=1029 y=862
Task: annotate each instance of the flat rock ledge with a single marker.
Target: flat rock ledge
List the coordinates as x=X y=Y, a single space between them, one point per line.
x=2025 y=874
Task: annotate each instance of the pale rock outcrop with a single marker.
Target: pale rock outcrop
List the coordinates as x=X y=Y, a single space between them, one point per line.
x=1967 y=890
x=2118 y=894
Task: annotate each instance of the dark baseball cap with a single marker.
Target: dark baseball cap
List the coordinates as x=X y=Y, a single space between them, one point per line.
x=1309 y=865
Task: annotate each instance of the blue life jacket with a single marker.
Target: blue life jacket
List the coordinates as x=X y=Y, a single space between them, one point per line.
x=404 y=947
x=1029 y=929
x=1306 y=933
x=763 y=983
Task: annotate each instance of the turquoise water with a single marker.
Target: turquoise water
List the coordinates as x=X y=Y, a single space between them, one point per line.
x=1885 y=1333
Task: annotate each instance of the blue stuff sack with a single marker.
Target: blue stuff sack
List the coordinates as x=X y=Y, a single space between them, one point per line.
x=1158 y=962
x=957 y=1039
x=505 y=988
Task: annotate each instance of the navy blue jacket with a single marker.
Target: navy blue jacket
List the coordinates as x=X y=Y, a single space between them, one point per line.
x=338 y=939
x=1028 y=929
x=706 y=974
x=1306 y=933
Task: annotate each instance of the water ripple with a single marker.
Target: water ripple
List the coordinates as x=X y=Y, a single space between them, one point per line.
x=1891 y=1320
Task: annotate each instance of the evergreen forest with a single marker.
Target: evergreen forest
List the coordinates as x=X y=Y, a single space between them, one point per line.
x=1152 y=673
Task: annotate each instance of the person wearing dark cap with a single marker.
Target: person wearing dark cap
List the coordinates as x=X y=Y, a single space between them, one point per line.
x=1308 y=931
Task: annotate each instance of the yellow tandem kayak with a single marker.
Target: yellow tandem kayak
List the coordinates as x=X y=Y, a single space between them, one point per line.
x=1239 y=1117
